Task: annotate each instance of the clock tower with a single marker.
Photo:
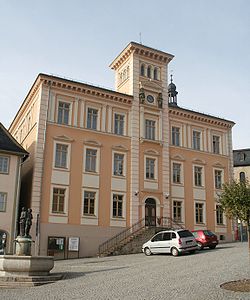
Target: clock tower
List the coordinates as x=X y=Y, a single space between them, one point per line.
x=141 y=71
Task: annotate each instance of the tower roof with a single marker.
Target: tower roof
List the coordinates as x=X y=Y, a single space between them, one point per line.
x=146 y=51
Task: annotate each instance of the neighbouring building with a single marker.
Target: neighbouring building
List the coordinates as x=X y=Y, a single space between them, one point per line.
x=12 y=156
x=241 y=173
x=103 y=160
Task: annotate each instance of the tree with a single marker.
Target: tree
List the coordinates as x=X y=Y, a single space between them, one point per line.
x=235 y=201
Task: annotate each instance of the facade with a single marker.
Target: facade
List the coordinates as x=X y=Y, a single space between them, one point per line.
x=11 y=158
x=241 y=173
x=103 y=160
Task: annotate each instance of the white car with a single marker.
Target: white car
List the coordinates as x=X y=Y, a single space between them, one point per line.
x=171 y=241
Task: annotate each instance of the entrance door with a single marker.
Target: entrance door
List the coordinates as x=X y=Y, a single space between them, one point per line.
x=150 y=212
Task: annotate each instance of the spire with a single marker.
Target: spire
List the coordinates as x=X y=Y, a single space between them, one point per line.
x=172 y=93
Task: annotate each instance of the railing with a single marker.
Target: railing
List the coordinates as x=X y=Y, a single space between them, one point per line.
x=125 y=235
x=122 y=236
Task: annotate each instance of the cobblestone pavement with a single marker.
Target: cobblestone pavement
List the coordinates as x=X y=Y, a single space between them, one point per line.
x=137 y=276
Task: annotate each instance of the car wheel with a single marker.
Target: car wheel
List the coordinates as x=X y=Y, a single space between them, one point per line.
x=200 y=246
x=174 y=252
x=212 y=247
x=192 y=251
x=147 y=251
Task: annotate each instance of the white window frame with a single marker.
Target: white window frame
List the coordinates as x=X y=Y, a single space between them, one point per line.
x=203 y=212
x=68 y=155
x=124 y=163
x=4 y=201
x=70 y=110
x=8 y=164
x=223 y=217
x=98 y=121
x=220 y=141
x=155 y=168
x=202 y=176
x=97 y=159
x=124 y=125
x=201 y=140
x=96 y=191
x=222 y=178
x=181 y=173
x=123 y=217
x=182 y=210
x=66 y=200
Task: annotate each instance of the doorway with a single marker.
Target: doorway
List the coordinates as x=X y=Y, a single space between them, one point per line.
x=150 y=212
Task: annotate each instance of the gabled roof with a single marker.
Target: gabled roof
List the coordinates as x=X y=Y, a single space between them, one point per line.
x=9 y=145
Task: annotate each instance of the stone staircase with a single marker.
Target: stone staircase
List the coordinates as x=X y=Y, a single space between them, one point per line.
x=131 y=239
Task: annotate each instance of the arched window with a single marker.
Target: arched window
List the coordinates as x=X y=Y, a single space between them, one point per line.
x=155 y=74
x=242 y=176
x=149 y=72
x=142 y=70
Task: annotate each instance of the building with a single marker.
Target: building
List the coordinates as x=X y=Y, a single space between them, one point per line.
x=103 y=160
x=241 y=173
x=11 y=157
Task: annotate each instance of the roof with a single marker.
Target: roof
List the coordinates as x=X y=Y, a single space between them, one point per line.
x=9 y=145
x=241 y=157
x=173 y=106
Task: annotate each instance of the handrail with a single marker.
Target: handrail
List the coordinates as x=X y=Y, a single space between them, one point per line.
x=115 y=241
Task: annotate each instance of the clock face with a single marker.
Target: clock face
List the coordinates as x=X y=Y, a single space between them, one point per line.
x=150 y=99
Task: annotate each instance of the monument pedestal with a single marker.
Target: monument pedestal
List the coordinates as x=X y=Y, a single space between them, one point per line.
x=23 y=246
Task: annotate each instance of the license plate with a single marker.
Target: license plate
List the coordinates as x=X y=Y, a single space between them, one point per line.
x=214 y=242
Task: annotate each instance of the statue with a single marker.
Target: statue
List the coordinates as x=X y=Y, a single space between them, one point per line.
x=160 y=100
x=142 y=95
x=22 y=221
x=28 y=222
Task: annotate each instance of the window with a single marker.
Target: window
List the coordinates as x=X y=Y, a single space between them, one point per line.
x=149 y=72
x=3 y=198
x=242 y=176
x=166 y=236
x=157 y=238
x=155 y=74
x=218 y=179
x=92 y=118
x=89 y=203
x=58 y=200
x=63 y=113
x=219 y=215
x=196 y=140
x=150 y=129
x=176 y=173
x=117 y=206
x=61 y=156
x=216 y=144
x=199 y=213
x=177 y=211
x=90 y=162
x=118 y=164
x=119 y=124
x=150 y=168
x=176 y=136
x=197 y=176
x=4 y=164
x=142 y=70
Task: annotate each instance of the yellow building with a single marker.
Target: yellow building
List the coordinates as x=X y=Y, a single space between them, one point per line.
x=104 y=160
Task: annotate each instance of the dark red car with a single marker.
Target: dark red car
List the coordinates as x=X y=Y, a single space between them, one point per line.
x=205 y=238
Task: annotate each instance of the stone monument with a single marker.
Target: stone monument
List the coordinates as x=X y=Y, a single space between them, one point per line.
x=22 y=267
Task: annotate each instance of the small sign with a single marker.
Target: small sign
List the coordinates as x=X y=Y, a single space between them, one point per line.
x=59 y=241
x=73 y=243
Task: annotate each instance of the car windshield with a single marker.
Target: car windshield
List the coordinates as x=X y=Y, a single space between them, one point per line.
x=209 y=233
x=185 y=233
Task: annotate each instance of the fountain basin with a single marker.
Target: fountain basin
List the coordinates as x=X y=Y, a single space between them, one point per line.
x=13 y=265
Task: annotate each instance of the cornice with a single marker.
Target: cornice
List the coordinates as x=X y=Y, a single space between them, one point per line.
x=141 y=50
x=85 y=89
x=196 y=116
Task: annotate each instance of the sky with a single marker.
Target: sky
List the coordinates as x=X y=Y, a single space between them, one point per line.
x=78 y=39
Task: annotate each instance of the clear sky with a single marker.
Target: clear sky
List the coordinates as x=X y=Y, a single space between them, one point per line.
x=78 y=39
